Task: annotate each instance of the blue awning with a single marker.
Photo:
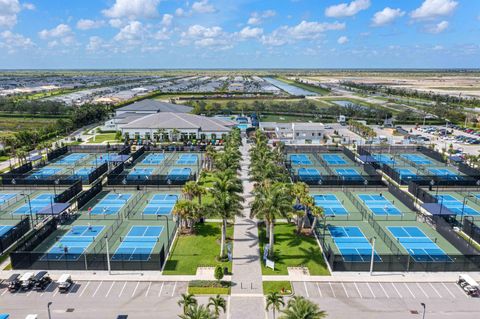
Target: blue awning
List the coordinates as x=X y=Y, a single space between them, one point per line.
x=4 y=316
x=438 y=209
x=456 y=159
x=54 y=209
x=34 y=158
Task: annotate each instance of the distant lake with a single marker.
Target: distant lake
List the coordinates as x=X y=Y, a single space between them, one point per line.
x=290 y=89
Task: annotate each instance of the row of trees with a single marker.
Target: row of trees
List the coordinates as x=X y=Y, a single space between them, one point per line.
x=33 y=107
x=361 y=129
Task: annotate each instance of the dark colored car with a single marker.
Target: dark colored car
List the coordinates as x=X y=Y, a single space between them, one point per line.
x=13 y=282
x=41 y=280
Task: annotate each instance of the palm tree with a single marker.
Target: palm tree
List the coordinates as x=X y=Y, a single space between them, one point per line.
x=271 y=201
x=274 y=300
x=301 y=192
x=317 y=212
x=217 y=303
x=210 y=154
x=198 y=312
x=192 y=189
x=301 y=308
x=186 y=211
x=187 y=301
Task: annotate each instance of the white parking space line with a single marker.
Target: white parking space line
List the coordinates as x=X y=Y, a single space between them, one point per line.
x=406 y=286
x=30 y=292
x=439 y=295
x=451 y=294
x=108 y=292
x=306 y=290
x=333 y=292
x=358 y=290
x=174 y=287
x=384 y=291
x=346 y=293
x=56 y=292
x=418 y=285
x=101 y=282
x=371 y=290
x=71 y=289
x=161 y=288
x=463 y=292
x=4 y=291
x=398 y=292
x=123 y=288
x=135 y=290
x=319 y=290
x=148 y=289
x=86 y=286
x=46 y=289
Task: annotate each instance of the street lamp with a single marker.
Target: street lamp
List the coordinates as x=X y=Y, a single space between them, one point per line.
x=463 y=205
x=48 y=309
x=373 y=255
x=29 y=206
x=168 y=231
x=424 y=309
x=325 y=226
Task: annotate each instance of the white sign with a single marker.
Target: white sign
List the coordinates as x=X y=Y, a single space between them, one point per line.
x=270 y=263
x=266 y=249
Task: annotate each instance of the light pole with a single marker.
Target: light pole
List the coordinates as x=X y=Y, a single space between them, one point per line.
x=48 y=309
x=373 y=255
x=29 y=207
x=168 y=231
x=108 y=256
x=463 y=205
x=424 y=309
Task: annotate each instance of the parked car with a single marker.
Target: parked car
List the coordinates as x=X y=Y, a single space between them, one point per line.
x=26 y=281
x=13 y=282
x=470 y=286
x=64 y=283
x=42 y=280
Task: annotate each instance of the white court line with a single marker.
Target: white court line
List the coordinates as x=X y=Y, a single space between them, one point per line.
x=174 y=287
x=346 y=293
x=123 y=288
x=86 y=286
x=418 y=285
x=135 y=290
x=374 y=297
x=451 y=293
x=333 y=292
x=101 y=282
x=384 y=291
x=161 y=288
x=398 y=292
x=148 y=289
x=108 y=292
x=409 y=289
x=358 y=290
x=306 y=290
x=435 y=290
x=319 y=291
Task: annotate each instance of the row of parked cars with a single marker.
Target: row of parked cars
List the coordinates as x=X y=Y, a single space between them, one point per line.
x=39 y=281
x=447 y=135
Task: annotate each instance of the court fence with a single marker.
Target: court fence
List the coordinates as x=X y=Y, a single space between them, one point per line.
x=96 y=173
x=120 y=149
x=14 y=234
x=89 y=194
x=53 y=154
x=69 y=193
x=175 y=148
x=139 y=152
x=312 y=149
x=417 y=191
x=337 y=180
x=446 y=230
x=471 y=229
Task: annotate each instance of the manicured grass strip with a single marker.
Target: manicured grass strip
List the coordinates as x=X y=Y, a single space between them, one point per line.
x=292 y=250
x=282 y=287
x=205 y=287
x=197 y=250
x=100 y=138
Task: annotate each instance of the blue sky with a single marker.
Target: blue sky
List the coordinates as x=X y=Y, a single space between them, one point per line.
x=240 y=34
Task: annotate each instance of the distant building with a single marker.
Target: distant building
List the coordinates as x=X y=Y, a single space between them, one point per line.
x=295 y=132
x=150 y=106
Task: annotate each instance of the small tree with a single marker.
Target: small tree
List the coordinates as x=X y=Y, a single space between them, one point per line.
x=218 y=273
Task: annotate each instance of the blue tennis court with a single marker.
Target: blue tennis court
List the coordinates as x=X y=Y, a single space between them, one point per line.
x=179 y=174
x=300 y=159
x=110 y=204
x=5 y=197
x=153 y=158
x=443 y=172
x=140 y=173
x=102 y=158
x=71 y=159
x=139 y=243
x=348 y=173
x=187 y=159
x=81 y=173
x=406 y=173
x=417 y=159
x=379 y=205
x=330 y=204
x=384 y=159
x=4 y=230
x=160 y=204
x=306 y=174
x=74 y=243
x=352 y=244
x=456 y=206
x=333 y=159
x=36 y=204
x=417 y=244
x=44 y=172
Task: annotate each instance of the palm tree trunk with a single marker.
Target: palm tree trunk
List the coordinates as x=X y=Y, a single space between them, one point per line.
x=314 y=223
x=267 y=227
x=273 y=312
x=271 y=241
x=222 y=241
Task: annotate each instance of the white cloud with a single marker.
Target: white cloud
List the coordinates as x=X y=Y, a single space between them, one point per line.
x=133 y=9
x=201 y=36
x=59 y=31
x=13 y=42
x=248 y=33
x=434 y=8
x=203 y=6
x=167 y=20
x=87 y=24
x=162 y=34
x=132 y=32
x=179 y=12
x=116 y=23
x=438 y=28
x=347 y=9
x=196 y=31
x=28 y=6
x=258 y=17
x=386 y=16
x=8 y=13
x=342 y=40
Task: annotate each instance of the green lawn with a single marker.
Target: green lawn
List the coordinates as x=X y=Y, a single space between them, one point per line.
x=100 y=138
x=200 y=250
x=292 y=250
x=204 y=287
x=282 y=287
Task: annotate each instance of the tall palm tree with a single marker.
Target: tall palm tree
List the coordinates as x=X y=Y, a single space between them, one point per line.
x=192 y=189
x=274 y=300
x=218 y=303
x=198 y=312
x=210 y=154
x=300 y=308
x=301 y=193
x=187 y=211
x=187 y=300
x=317 y=212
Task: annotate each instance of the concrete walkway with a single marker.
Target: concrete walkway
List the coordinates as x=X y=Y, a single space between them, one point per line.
x=247 y=292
